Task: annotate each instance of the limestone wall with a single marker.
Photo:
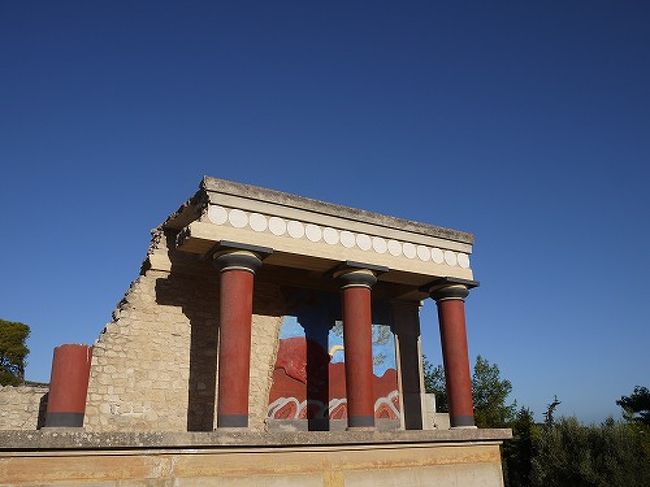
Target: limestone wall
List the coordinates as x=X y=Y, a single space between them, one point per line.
x=469 y=458
x=154 y=367
x=22 y=407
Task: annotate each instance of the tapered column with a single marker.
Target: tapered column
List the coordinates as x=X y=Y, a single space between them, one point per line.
x=357 y=340
x=237 y=277
x=450 y=296
x=66 y=400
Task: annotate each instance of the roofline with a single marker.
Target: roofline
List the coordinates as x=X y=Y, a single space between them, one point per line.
x=209 y=183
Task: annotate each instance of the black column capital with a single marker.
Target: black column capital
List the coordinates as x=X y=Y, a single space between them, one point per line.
x=243 y=260
x=447 y=288
x=356 y=278
x=235 y=255
x=358 y=274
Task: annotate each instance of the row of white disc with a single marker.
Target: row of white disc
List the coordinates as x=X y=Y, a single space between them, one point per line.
x=314 y=233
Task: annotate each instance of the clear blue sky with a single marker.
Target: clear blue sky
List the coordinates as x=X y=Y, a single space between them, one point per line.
x=526 y=123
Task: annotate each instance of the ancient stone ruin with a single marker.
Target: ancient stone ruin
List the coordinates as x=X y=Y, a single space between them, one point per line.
x=263 y=319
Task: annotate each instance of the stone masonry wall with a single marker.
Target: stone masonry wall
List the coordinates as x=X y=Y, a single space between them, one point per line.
x=22 y=407
x=154 y=367
x=140 y=365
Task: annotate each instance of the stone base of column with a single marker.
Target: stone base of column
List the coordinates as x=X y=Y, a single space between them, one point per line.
x=235 y=421
x=462 y=422
x=361 y=423
x=64 y=420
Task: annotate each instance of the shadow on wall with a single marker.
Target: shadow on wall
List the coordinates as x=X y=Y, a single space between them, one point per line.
x=194 y=288
x=193 y=285
x=42 y=411
x=193 y=295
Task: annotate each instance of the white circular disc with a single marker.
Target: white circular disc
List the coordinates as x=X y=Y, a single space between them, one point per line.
x=330 y=235
x=364 y=242
x=295 y=229
x=277 y=225
x=463 y=260
x=347 y=239
x=424 y=253
x=394 y=248
x=437 y=256
x=257 y=222
x=450 y=258
x=409 y=250
x=218 y=215
x=237 y=218
x=379 y=245
x=313 y=232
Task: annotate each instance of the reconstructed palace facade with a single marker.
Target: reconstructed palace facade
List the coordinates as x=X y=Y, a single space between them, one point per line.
x=261 y=320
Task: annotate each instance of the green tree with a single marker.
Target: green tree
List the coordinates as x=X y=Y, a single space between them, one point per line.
x=13 y=351
x=434 y=383
x=490 y=394
x=636 y=407
x=519 y=452
x=381 y=335
x=549 y=419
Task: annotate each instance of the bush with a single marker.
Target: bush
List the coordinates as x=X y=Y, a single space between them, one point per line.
x=570 y=454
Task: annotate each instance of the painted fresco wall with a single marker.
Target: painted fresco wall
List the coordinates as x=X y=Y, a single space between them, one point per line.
x=309 y=374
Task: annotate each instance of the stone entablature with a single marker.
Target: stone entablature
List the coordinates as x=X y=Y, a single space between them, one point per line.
x=306 y=233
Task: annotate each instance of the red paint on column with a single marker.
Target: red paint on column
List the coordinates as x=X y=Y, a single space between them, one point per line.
x=451 y=315
x=69 y=379
x=357 y=336
x=236 y=310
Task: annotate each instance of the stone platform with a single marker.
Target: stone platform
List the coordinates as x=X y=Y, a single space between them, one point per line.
x=465 y=457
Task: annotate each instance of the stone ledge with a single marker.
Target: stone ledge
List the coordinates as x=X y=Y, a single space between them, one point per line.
x=188 y=211
x=66 y=439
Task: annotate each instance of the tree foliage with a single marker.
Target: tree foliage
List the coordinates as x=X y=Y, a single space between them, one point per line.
x=636 y=407
x=489 y=390
x=571 y=454
x=381 y=335
x=549 y=418
x=490 y=393
x=558 y=452
x=519 y=452
x=13 y=351
x=434 y=383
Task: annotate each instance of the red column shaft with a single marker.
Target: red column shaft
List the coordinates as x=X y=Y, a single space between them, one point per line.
x=236 y=310
x=451 y=315
x=66 y=402
x=357 y=336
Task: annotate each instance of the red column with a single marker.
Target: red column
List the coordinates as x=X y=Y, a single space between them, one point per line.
x=66 y=400
x=235 y=317
x=453 y=335
x=357 y=340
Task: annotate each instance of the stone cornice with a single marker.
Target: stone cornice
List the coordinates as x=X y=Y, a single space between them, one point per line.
x=311 y=234
x=223 y=186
